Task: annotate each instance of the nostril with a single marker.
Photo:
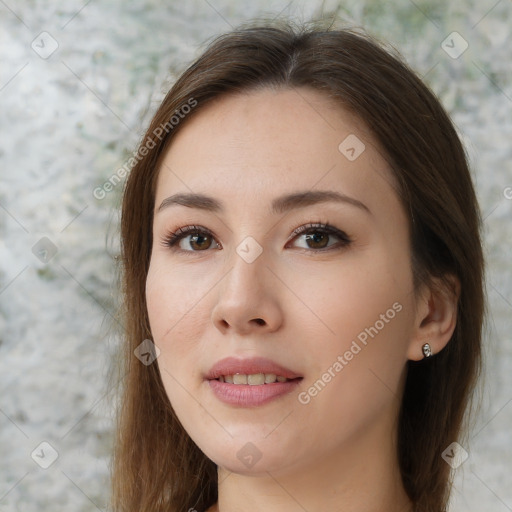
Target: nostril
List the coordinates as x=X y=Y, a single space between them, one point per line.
x=260 y=321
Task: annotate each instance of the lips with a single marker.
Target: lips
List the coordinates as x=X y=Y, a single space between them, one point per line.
x=251 y=366
x=281 y=381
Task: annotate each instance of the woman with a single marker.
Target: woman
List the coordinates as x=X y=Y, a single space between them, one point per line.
x=303 y=282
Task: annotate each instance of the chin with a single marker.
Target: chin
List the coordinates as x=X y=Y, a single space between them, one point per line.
x=258 y=468
x=249 y=456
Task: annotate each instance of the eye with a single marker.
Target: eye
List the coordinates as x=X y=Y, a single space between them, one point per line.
x=317 y=235
x=201 y=238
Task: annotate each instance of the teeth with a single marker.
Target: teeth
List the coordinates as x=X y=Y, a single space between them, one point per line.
x=239 y=378
x=255 y=379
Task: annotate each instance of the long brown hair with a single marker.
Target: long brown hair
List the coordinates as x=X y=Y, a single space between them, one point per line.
x=156 y=466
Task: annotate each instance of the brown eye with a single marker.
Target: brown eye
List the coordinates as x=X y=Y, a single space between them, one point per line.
x=200 y=239
x=318 y=236
x=318 y=239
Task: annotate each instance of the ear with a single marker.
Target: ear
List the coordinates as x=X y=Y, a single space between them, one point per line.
x=436 y=316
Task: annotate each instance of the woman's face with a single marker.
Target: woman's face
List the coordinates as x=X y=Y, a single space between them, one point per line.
x=332 y=310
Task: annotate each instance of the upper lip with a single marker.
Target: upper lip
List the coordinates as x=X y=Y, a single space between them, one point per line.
x=232 y=365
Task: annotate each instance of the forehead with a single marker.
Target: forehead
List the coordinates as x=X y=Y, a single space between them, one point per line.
x=263 y=143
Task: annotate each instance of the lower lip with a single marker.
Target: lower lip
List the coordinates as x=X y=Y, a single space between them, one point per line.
x=245 y=395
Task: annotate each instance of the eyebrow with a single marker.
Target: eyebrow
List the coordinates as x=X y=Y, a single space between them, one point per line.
x=279 y=205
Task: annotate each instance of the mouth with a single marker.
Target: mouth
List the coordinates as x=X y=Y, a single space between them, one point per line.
x=254 y=379
x=251 y=371
x=250 y=382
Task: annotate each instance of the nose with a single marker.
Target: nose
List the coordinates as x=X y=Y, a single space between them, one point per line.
x=248 y=298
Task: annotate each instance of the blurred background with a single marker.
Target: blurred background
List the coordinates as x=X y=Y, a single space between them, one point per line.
x=79 y=82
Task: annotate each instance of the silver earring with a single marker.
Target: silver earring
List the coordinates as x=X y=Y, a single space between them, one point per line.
x=427 y=351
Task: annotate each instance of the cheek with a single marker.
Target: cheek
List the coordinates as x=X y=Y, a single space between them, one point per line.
x=366 y=316
x=172 y=319
x=157 y=302
x=173 y=311
x=345 y=301
x=352 y=383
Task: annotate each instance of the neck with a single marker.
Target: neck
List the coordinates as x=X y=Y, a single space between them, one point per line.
x=360 y=476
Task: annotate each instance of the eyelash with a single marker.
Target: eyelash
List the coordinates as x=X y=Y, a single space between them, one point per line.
x=173 y=238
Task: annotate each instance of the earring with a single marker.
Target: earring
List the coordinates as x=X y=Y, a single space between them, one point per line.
x=427 y=351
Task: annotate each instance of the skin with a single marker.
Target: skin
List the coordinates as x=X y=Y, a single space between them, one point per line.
x=337 y=452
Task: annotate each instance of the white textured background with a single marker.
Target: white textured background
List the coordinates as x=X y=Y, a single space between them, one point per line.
x=69 y=121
